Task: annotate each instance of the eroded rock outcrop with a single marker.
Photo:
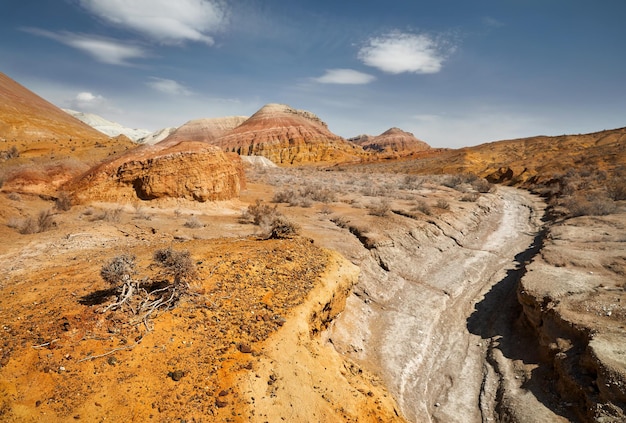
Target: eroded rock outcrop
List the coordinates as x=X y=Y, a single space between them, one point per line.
x=288 y=136
x=573 y=298
x=190 y=170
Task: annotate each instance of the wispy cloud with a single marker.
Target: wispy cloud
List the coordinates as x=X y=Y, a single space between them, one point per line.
x=492 y=22
x=398 y=52
x=344 y=76
x=168 y=86
x=165 y=21
x=105 y=50
x=87 y=101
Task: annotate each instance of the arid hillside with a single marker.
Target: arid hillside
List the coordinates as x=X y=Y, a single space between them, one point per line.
x=206 y=130
x=37 y=128
x=392 y=143
x=288 y=137
x=41 y=146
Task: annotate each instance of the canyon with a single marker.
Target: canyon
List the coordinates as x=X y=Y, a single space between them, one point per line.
x=373 y=279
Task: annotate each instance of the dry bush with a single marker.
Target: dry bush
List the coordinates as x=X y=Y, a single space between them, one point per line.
x=14 y=196
x=141 y=214
x=326 y=210
x=114 y=215
x=379 y=207
x=470 y=197
x=11 y=153
x=284 y=196
x=301 y=202
x=319 y=193
x=452 y=181
x=31 y=225
x=194 y=223
x=482 y=185
x=63 y=202
x=591 y=205
x=372 y=191
x=282 y=228
x=411 y=182
x=119 y=270
x=616 y=189
x=176 y=264
x=422 y=207
x=442 y=204
x=260 y=213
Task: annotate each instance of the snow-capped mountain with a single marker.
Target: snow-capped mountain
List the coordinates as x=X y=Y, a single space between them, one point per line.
x=108 y=127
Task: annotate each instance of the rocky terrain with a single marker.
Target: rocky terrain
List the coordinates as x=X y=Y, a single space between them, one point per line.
x=377 y=288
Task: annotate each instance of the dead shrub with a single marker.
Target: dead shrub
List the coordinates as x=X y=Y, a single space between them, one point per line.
x=176 y=264
x=482 y=185
x=617 y=189
x=284 y=196
x=31 y=225
x=14 y=196
x=591 y=205
x=193 y=223
x=470 y=197
x=411 y=182
x=443 y=204
x=422 y=207
x=452 y=181
x=319 y=193
x=114 y=215
x=63 y=202
x=282 y=228
x=260 y=213
x=379 y=207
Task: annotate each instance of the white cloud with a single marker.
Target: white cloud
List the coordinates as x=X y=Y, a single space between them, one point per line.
x=87 y=101
x=166 y=21
x=168 y=86
x=344 y=76
x=398 y=52
x=105 y=50
x=492 y=22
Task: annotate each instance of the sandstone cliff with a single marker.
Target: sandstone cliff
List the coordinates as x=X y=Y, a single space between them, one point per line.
x=190 y=170
x=288 y=136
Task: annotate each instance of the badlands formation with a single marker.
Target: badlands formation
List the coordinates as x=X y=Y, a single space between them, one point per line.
x=382 y=282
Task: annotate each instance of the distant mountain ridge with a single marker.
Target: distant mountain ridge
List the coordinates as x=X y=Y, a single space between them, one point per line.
x=108 y=127
x=394 y=141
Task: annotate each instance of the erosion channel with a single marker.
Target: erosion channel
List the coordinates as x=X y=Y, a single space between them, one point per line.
x=435 y=307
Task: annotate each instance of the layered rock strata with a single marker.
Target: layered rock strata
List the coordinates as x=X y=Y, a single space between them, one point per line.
x=288 y=136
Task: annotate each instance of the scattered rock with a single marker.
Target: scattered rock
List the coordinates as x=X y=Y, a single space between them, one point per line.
x=176 y=375
x=245 y=348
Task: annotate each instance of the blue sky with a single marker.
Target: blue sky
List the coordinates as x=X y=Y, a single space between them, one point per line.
x=453 y=72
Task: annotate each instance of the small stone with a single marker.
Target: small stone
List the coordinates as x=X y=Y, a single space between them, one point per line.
x=219 y=403
x=245 y=348
x=223 y=393
x=437 y=404
x=176 y=375
x=112 y=361
x=37 y=403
